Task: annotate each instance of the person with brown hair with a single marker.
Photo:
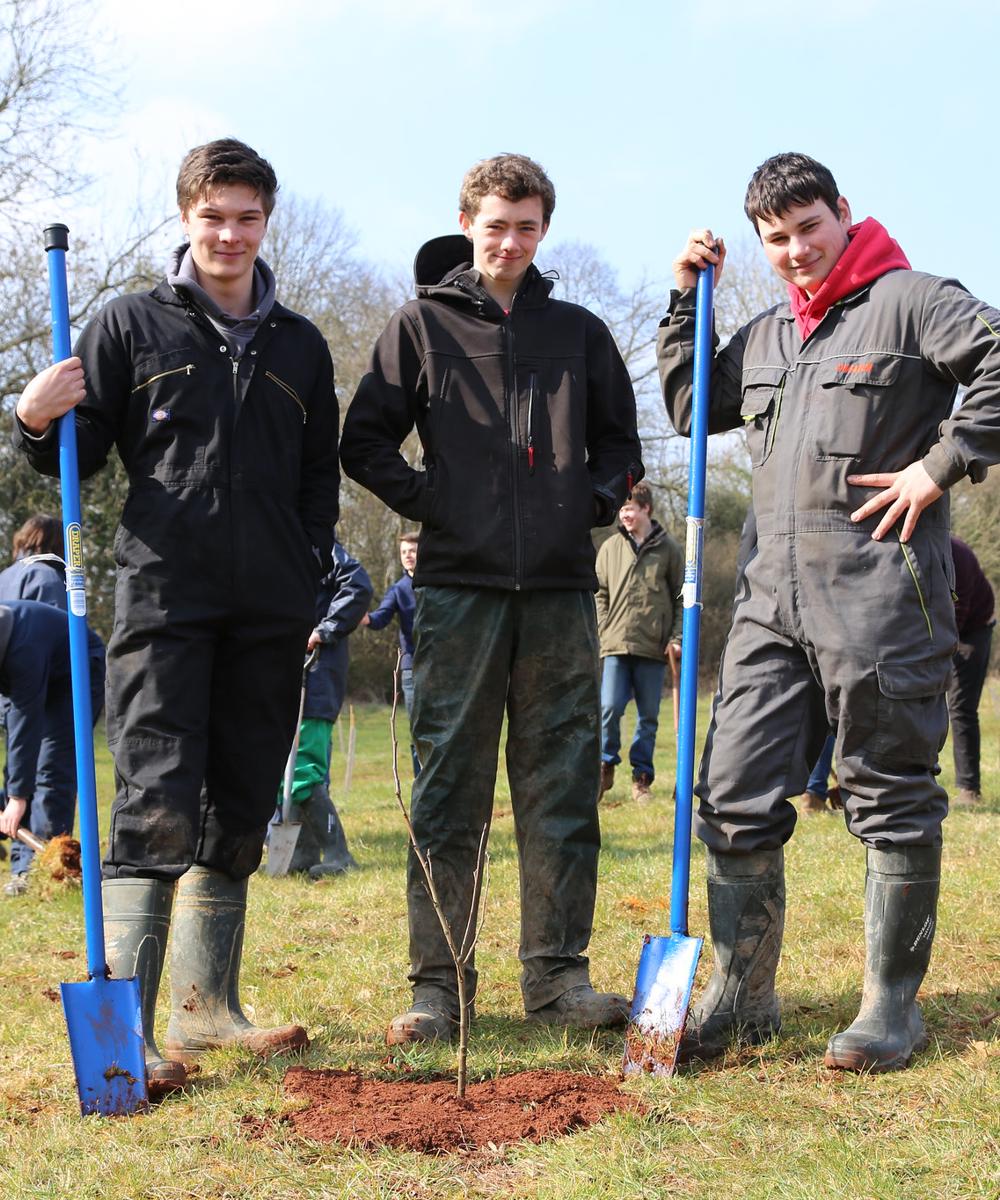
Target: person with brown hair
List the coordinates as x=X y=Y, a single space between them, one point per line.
x=845 y=617
x=526 y=416
x=222 y=407
x=640 y=573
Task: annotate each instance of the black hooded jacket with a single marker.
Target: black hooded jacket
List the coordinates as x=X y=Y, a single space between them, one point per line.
x=526 y=419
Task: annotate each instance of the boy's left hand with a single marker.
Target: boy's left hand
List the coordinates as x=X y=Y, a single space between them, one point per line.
x=909 y=491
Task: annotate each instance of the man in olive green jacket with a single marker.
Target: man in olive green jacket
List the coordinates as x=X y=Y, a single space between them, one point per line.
x=639 y=574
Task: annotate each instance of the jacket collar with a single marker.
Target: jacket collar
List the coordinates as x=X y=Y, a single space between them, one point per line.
x=443 y=271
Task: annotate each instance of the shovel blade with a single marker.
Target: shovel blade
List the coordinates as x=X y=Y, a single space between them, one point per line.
x=659 y=1008
x=104 y=1019
x=282 y=839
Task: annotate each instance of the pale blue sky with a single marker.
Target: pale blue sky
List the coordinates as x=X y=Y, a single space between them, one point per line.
x=650 y=117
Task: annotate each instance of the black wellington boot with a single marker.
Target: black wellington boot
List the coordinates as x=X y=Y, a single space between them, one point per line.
x=136 y=921
x=901 y=893
x=746 y=912
x=205 y=955
x=337 y=857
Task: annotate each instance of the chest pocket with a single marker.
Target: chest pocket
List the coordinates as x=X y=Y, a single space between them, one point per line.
x=760 y=409
x=849 y=406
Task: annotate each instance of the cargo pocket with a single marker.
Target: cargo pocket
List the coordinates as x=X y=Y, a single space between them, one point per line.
x=911 y=720
x=761 y=409
x=848 y=408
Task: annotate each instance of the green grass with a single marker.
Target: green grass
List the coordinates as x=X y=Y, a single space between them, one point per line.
x=769 y=1123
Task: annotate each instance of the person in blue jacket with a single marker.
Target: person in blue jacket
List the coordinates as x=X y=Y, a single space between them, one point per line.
x=344 y=594
x=41 y=765
x=37 y=573
x=400 y=601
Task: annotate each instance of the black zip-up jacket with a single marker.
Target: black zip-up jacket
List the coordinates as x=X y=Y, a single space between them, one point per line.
x=232 y=465
x=526 y=419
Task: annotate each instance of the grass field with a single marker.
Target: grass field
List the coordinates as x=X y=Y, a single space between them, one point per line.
x=767 y=1123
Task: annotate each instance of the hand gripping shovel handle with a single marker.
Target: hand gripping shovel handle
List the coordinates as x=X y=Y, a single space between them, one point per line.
x=56 y=245
x=103 y=1015
x=691 y=594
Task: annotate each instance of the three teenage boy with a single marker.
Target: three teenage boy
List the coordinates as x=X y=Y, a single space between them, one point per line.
x=526 y=417
x=222 y=406
x=845 y=619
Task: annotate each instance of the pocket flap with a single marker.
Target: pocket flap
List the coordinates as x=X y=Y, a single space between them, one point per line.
x=872 y=370
x=911 y=680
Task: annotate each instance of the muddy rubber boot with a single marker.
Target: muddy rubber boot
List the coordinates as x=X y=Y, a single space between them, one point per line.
x=746 y=914
x=901 y=892
x=207 y=946
x=336 y=857
x=136 y=921
x=424 y=1021
x=583 y=1008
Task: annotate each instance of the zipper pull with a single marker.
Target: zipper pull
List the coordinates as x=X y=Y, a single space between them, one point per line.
x=531 y=457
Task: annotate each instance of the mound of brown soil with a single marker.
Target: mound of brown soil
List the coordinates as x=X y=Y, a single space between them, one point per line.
x=428 y=1117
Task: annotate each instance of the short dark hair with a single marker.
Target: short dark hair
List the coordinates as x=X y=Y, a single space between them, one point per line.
x=785 y=180
x=220 y=162
x=642 y=494
x=512 y=176
x=409 y=536
x=40 y=534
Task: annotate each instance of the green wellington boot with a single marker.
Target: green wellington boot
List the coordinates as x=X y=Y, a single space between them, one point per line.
x=746 y=913
x=205 y=956
x=136 y=921
x=901 y=892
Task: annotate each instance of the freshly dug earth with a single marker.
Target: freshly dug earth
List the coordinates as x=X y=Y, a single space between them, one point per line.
x=61 y=859
x=428 y=1117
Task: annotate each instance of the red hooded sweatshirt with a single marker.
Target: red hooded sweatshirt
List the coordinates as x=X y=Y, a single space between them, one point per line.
x=870 y=252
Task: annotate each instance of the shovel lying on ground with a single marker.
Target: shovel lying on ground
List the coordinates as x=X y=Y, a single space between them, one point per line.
x=103 y=1015
x=667 y=964
x=283 y=835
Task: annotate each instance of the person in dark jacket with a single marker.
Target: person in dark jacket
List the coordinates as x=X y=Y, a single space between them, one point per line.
x=37 y=573
x=221 y=404
x=640 y=574
x=321 y=848
x=526 y=417
x=401 y=602
x=845 y=617
x=975 y=615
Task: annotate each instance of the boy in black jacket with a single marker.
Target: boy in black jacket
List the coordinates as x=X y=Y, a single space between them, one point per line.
x=527 y=420
x=222 y=407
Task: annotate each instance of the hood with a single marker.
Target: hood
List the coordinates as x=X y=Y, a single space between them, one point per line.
x=443 y=270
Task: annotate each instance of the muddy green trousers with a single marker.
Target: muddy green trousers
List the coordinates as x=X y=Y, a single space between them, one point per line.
x=481 y=653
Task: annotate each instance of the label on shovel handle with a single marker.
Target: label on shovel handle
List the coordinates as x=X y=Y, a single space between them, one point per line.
x=75 y=579
x=694 y=541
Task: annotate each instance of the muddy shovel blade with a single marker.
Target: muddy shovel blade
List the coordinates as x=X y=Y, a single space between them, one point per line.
x=659 y=1008
x=104 y=1020
x=282 y=839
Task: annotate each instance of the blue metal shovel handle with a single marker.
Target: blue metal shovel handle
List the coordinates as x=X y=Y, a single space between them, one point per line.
x=56 y=245
x=691 y=629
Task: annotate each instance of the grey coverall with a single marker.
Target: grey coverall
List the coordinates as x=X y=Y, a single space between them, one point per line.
x=833 y=629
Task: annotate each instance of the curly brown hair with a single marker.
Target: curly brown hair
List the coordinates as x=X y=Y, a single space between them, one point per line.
x=511 y=176
x=220 y=162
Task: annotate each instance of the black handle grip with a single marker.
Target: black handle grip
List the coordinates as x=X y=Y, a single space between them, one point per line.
x=56 y=237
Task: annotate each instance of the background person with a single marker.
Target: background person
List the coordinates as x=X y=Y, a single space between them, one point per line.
x=400 y=601
x=640 y=572
x=38 y=573
x=975 y=615
x=344 y=594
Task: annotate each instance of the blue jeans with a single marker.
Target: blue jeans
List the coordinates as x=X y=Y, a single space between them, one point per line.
x=625 y=676
x=406 y=683
x=819 y=779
